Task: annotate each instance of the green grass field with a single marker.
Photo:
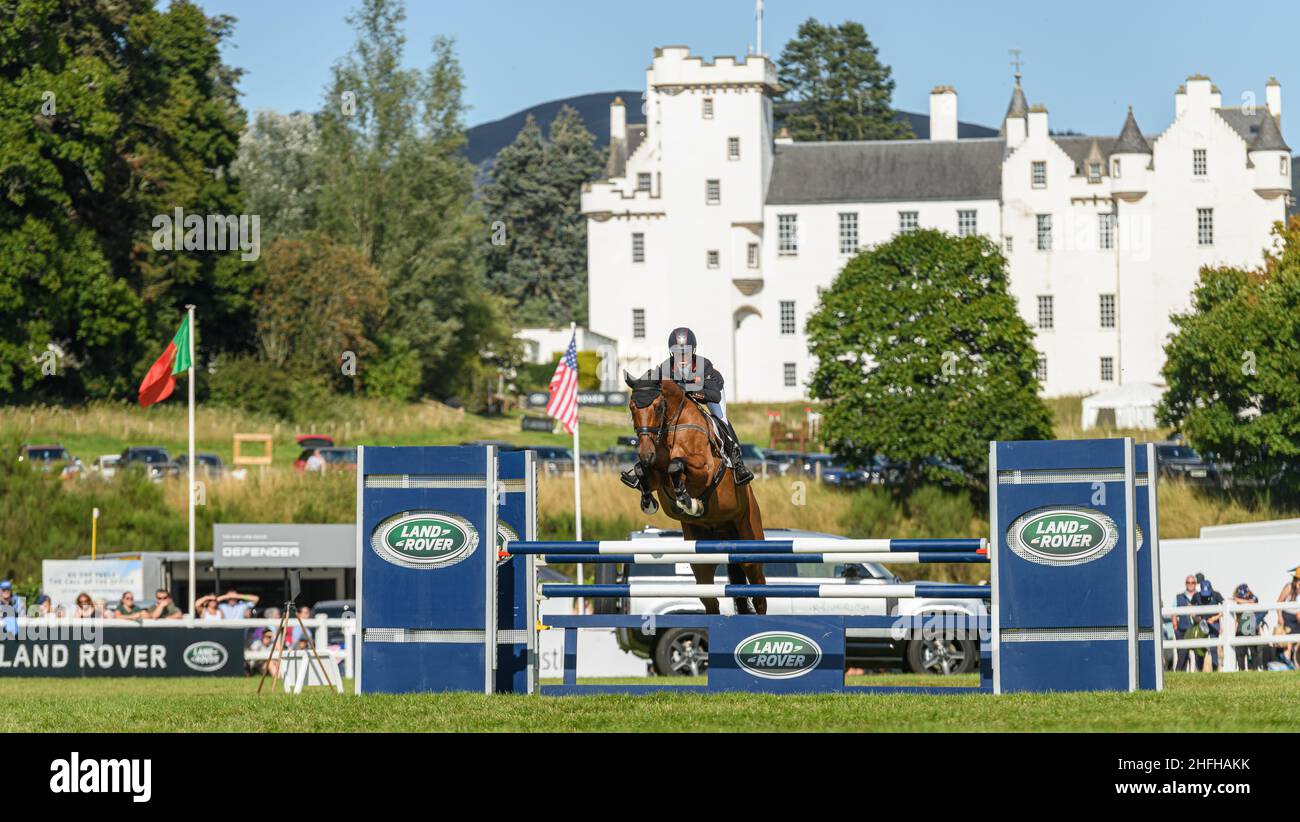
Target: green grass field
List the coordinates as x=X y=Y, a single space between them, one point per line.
x=1190 y=703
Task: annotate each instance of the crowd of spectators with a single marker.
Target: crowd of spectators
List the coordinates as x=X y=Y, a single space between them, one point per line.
x=1199 y=591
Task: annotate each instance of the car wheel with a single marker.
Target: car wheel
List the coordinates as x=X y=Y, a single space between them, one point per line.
x=942 y=656
x=682 y=652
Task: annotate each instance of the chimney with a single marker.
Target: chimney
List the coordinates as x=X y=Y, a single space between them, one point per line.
x=617 y=120
x=1200 y=92
x=1273 y=97
x=1038 y=120
x=943 y=113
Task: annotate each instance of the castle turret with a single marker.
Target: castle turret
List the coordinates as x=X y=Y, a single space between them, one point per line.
x=1130 y=160
x=1014 y=124
x=1271 y=158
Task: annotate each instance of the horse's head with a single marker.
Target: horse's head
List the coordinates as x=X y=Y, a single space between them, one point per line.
x=650 y=412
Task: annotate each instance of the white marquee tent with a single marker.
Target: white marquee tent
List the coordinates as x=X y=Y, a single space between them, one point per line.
x=1129 y=406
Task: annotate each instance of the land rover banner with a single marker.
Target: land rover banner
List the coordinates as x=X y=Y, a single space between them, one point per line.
x=73 y=649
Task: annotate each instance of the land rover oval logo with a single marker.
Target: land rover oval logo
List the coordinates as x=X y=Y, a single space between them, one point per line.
x=424 y=539
x=1063 y=535
x=504 y=535
x=778 y=654
x=205 y=656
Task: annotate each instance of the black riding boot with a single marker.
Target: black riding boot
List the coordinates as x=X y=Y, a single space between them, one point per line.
x=743 y=474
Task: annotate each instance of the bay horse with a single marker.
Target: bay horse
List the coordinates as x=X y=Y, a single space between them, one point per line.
x=678 y=462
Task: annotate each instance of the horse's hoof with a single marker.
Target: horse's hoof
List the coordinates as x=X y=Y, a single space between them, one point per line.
x=743 y=607
x=649 y=506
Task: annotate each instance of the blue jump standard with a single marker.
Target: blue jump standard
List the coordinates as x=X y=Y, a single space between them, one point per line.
x=766 y=559
x=741 y=546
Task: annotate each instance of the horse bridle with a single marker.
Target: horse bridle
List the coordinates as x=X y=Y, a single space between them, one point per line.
x=663 y=429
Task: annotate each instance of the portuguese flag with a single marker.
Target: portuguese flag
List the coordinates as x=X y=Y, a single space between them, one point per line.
x=161 y=380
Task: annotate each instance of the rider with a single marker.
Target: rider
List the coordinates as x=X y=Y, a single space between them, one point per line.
x=703 y=383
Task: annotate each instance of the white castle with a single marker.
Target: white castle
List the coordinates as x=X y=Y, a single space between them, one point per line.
x=709 y=219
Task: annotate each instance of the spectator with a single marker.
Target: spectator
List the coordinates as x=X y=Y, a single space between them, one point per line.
x=44 y=608
x=10 y=603
x=85 y=607
x=1249 y=623
x=315 y=462
x=264 y=644
x=296 y=633
x=1206 y=595
x=235 y=605
x=1184 y=623
x=61 y=612
x=1290 y=620
x=127 y=608
x=206 y=608
x=163 y=607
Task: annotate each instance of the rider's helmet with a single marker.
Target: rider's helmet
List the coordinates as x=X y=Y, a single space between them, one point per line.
x=681 y=345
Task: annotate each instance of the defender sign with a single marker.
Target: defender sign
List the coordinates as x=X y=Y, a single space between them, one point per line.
x=424 y=539
x=777 y=655
x=1063 y=535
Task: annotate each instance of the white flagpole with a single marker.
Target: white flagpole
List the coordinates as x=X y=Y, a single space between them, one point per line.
x=193 y=573
x=577 y=476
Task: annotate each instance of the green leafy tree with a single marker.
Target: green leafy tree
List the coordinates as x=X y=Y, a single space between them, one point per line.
x=110 y=115
x=396 y=187
x=921 y=354
x=837 y=86
x=537 y=256
x=1231 y=366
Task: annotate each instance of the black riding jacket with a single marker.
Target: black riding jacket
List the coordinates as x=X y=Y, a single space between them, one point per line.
x=703 y=380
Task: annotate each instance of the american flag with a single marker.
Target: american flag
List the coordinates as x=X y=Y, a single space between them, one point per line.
x=563 y=404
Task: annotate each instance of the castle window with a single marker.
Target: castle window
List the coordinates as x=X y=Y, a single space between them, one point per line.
x=848 y=232
x=1040 y=369
x=787 y=234
x=1038 y=173
x=1107 y=369
x=712 y=192
x=707 y=109
x=1198 y=162
x=1046 y=312
x=907 y=222
x=638 y=323
x=1114 y=169
x=1204 y=226
x=1282 y=164
x=791 y=374
x=638 y=247
x=751 y=255
x=966 y=225
x=643 y=181
x=1107 y=308
x=712 y=258
x=787 y=317
x=1007 y=244
x=1044 y=232
x=1105 y=231
x=733 y=148
x=1094 y=172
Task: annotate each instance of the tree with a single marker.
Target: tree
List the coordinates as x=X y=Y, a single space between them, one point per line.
x=279 y=172
x=1232 y=361
x=839 y=88
x=396 y=187
x=318 y=300
x=921 y=354
x=537 y=257
x=110 y=115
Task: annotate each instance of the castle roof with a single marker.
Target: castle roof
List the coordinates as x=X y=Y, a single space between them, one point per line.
x=1269 y=137
x=885 y=171
x=620 y=148
x=1130 y=139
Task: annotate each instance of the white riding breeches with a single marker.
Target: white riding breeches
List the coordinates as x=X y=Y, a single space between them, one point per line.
x=719 y=409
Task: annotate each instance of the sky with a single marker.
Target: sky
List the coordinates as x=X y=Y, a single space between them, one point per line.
x=1087 y=63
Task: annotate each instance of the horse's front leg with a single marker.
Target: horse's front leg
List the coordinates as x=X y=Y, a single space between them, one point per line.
x=685 y=503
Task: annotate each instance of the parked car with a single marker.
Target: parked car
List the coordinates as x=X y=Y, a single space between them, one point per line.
x=339 y=459
x=1181 y=462
x=105 y=465
x=44 y=457
x=552 y=459
x=335 y=609
x=152 y=459
x=844 y=477
x=684 y=651
x=309 y=443
x=208 y=464
x=757 y=460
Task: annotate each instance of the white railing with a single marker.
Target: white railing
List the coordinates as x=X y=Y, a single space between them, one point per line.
x=319 y=626
x=1227 y=638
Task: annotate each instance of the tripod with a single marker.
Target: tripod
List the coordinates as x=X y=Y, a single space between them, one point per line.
x=277 y=647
